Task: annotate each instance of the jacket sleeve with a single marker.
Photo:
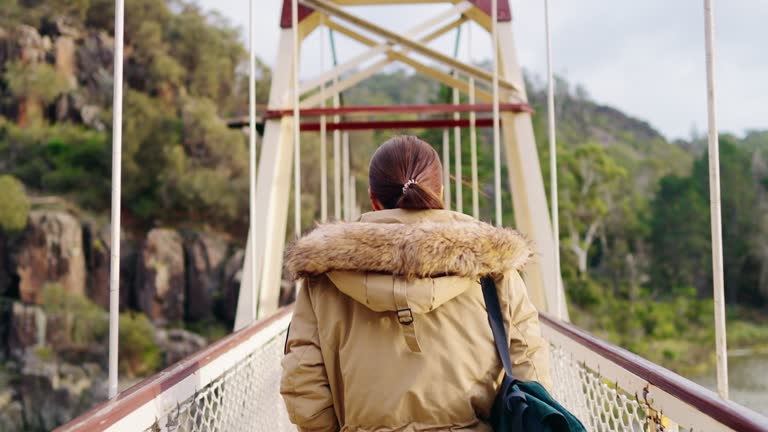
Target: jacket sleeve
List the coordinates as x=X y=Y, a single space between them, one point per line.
x=304 y=384
x=528 y=349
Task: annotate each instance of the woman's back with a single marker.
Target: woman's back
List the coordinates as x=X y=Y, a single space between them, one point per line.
x=390 y=330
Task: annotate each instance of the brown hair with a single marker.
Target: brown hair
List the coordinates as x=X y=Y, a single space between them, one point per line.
x=406 y=173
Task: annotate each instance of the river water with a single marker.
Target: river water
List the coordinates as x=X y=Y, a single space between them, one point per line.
x=748 y=381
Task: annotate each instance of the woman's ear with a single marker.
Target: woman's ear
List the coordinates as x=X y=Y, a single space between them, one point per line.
x=375 y=203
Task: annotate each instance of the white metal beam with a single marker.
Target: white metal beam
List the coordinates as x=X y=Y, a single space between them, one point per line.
x=382 y=48
x=272 y=197
x=527 y=185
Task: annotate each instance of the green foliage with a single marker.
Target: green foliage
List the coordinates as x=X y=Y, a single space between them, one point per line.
x=63 y=158
x=588 y=185
x=39 y=81
x=14 y=205
x=139 y=353
x=87 y=322
x=680 y=233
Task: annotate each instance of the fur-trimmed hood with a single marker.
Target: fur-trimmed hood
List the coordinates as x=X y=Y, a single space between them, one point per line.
x=435 y=254
x=411 y=244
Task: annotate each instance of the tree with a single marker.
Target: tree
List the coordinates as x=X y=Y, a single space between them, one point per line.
x=588 y=181
x=33 y=85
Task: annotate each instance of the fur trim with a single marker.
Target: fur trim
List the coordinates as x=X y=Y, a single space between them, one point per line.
x=422 y=249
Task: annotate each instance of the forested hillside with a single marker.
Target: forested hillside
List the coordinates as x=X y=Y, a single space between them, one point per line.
x=634 y=209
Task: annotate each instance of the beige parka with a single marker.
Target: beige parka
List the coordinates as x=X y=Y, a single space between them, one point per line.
x=390 y=332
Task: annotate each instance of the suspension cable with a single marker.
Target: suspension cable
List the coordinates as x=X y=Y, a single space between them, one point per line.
x=345 y=176
x=446 y=170
x=296 y=122
x=323 y=137
x=496 y=137
x=117 y=149
x=553 y=163
x=473 y=131
x=716 y=218
x=473 y=150
x=255 y=294
x=457 y=132
x=336 y=140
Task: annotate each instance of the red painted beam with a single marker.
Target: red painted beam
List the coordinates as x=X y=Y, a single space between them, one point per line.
x=402 y=109
x=304 y=12
x=504 y=11
x=396 y=124
x=502 y=7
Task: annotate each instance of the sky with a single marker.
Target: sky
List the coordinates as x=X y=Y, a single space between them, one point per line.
x=643 y=57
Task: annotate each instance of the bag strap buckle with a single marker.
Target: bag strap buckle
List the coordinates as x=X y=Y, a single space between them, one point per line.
x=405 y=316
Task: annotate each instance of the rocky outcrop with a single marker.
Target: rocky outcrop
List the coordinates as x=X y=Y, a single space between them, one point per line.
x=26 y=328
x=51 y=393
x=51 y=252
x=160 y=283
x=178 y=343
x=226 y=307
x=205 y=255
x=168 y=275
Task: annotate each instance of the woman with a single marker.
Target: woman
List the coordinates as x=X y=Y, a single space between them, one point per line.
x=390 y=331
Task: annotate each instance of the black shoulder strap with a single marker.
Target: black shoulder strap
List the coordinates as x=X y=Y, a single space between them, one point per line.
x=493 y=308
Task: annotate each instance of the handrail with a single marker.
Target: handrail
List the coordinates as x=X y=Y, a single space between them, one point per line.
x=725 y=412
x=111 y=411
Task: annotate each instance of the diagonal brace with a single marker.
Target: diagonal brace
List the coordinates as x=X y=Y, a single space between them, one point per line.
x=395 y=38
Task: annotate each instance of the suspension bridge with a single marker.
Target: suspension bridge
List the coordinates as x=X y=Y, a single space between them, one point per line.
x=233 y=385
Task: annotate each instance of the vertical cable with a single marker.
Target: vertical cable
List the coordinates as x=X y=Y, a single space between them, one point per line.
x=352 y=198
x=714 y=198
x=117 y=149
x=553 y=162
x=255 y=295
x=296 y=121
x=457 y=131
x=457 y=153
x=496 y=137
x=323 y=137
x=345 y=176
x=473 y=130
x=473 y=151
x=336 y=162
x=446 y=169
x=336 y=140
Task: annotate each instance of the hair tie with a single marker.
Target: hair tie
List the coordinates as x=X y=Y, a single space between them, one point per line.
x=408 y=183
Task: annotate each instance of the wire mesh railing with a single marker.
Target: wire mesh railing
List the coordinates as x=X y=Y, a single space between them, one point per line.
x=234 y=384
x=611 y=389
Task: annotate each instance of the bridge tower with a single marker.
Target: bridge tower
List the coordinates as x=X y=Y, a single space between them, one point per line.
x=261 y=284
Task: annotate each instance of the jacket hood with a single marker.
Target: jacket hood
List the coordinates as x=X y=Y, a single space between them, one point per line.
x=434 y=254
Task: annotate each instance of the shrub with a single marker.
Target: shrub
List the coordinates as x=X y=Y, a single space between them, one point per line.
x=89 y=323
x=139 y=353
x=14 y=205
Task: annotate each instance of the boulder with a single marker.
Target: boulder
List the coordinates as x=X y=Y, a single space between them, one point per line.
x=94 y=62
x=226 y=306
x=160 y=276
x=26 y=329
x=205 y=255
x=65 y=59
x=51 y=252
x=31 y=46
x=52 y=393
x=177 y=344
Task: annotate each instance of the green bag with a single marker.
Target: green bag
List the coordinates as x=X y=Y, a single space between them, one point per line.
x=521 y=406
